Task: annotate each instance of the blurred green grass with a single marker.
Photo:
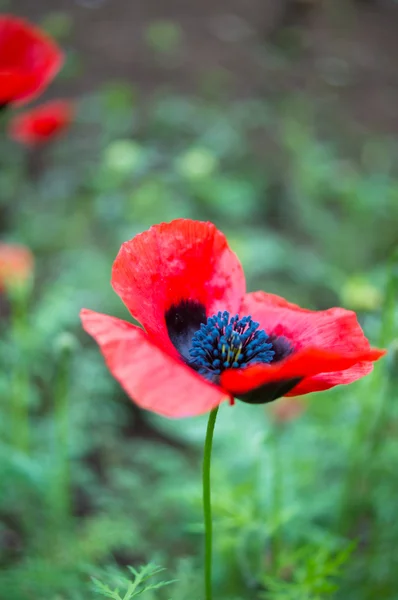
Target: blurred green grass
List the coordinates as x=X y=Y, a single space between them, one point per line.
x=96 y=485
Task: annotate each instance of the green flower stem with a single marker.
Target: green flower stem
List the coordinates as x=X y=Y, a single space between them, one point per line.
x=20 y=432
x=358 y=468
x=207 y=503
x=389 y=331
x=370 y=427
x=61 y=499
x=277 y=496
x=387 y=334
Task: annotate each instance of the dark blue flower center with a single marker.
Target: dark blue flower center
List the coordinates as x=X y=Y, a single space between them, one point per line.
x=226 y=342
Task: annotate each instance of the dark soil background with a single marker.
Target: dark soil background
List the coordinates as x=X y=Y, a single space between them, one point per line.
x=344 y=53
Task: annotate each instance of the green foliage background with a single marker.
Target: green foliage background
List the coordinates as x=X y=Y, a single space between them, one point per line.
x=88 y=485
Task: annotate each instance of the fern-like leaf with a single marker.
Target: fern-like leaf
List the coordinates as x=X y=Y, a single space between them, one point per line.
x=133 y=587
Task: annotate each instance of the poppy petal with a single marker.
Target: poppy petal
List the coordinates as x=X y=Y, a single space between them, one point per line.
x=13 y=84
x=280 y=378
x=152 y=378
x=325 y=381
x=181 y=263
x=28 y=53
x=42 y=123
x=335 y=329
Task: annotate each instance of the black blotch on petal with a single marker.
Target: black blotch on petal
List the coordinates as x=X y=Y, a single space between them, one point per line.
x=270 y=391
x=182 y=321
x=281 y=346
x=3 y=106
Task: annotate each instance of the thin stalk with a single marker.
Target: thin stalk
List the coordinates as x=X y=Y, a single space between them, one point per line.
x=61 y=418
x=387 y=333
x=59 y=492
x=369 y=427
x=208 y=523
x=277 y=497
x=380 y=424
x=20 y=377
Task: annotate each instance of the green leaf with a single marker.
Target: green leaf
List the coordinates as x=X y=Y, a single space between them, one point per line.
x=135 y=587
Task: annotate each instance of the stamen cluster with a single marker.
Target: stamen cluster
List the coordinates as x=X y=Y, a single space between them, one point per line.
x=228 y=343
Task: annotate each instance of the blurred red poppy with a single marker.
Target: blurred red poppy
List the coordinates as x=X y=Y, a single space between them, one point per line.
x=16 y=264
x=287 y=409
x=29 y=60
x=182 y=282
x=41 y=124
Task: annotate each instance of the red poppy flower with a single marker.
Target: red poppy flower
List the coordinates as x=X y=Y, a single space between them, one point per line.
x=205 y=340
x=287 y=409
x=29 y=60
x=16 y=264
x=43 y=123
